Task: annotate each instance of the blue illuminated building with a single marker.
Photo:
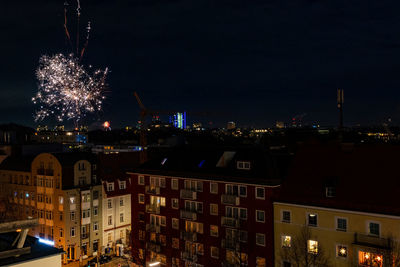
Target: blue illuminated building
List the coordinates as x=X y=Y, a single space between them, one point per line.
x=179 y=120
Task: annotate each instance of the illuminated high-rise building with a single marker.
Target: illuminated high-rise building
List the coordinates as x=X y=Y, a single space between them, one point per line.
x=179 y=120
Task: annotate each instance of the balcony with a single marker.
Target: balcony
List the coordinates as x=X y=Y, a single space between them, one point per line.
x=230 y=200
x=153 y=247
x=189 y=256
x=189 y=215
x=84 y=235
x=152 y=190
x=189 y=236
x=371 y=241
x=188 y=194
x=230 y=222
x=229 y=244
x=153 y=228
x=47 y=172
x=152 y=209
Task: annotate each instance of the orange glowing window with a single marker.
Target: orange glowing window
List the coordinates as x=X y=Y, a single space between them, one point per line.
x=370 y=259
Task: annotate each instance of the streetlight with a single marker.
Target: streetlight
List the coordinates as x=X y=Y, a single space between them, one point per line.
x=156 y=263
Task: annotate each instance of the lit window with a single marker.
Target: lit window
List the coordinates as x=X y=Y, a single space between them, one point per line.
x=214 y=209
x=286 y=241
x=286 y=216
x=341 y=251
x=175 y=203
x=260 y=262
x=341 y=224
x=175 y=223
x=175 y=243
x=370 y=259
x=61 y=200
x=373 y=229
x=214 y=230
x=72 y=200
x=312 y=246
x=260 y=216
x=312 y=219
x=260 y=239
x=260 y=193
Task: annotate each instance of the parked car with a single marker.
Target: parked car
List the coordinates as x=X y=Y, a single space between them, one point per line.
x=92 y=262
x=104 y=259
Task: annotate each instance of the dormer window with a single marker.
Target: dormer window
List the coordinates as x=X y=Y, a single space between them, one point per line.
x=330 y=191
x=243 y=165
x=110 y=186
x=122 y=184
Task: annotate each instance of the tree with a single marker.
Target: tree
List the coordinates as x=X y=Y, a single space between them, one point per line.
x=300 y=253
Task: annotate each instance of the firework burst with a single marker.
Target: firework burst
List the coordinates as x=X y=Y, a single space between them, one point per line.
x=66 y=90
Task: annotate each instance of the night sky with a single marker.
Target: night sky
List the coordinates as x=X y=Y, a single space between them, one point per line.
x=253 y=61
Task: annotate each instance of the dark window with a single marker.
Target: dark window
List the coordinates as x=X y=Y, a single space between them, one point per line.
x=374 y=228
x=312 y=219
x=341 y=224
x=286 y=216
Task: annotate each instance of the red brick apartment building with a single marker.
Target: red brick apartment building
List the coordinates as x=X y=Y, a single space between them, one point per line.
x=206 y=208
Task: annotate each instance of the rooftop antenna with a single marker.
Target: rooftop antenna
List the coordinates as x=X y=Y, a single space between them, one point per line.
x=340 y=101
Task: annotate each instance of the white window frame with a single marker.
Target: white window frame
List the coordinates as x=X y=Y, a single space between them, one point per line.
x=121 y=216
x=243 y=165
x=140 y=182
x=72 y=232
x=257 y=197
x=122 y=185
x=110 y=186
x=368 y=229
x=262 y=245
x=139 y=196
x=263 y=221
x=108 y=220
x=337 y=251
x=217 y=230
x=211 y=254
x=308 y=221
x=336 y=223
x=172 y=223
x=172 y=184
x=172 y=201
x=95 y=226
x=108 y=204
x=211 y=188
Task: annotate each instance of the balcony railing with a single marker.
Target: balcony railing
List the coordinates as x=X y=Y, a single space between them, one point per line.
x=153 y=247
x=189 y=236
x=229 y=244
x=48 y=172
x=230 y=222
x=230 y=200
x=188 y=256
x=152 y=190
x=188 y=194
x=189 y=215
x=372 y=241
x=153 y=228
x=85 y=235
x=151 y=208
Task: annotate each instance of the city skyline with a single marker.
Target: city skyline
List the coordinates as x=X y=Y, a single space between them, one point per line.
x=256 y=62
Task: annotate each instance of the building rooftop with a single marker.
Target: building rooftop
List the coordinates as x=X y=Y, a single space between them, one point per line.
x=17 y=163
x=363 y=177
x=266 y=167
x=31 y=248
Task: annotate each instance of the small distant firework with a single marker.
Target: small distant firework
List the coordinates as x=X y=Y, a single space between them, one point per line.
x=66 y=90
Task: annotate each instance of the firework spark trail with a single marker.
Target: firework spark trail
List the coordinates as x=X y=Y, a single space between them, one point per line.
x=66 y=89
